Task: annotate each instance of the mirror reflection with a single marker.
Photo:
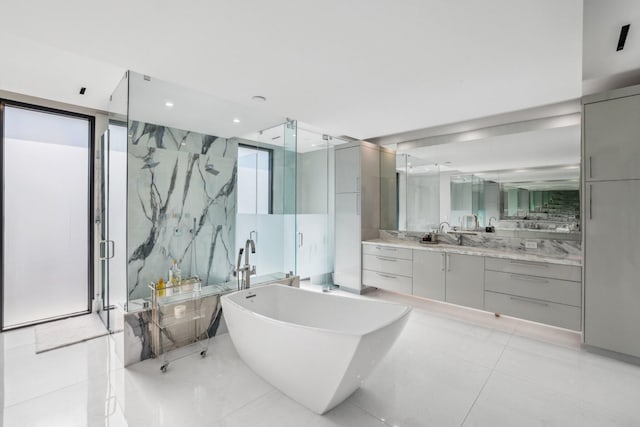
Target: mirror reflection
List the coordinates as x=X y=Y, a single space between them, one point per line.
x=527 y=181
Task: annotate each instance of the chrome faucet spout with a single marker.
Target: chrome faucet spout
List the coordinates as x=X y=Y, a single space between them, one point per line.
x=441 y=226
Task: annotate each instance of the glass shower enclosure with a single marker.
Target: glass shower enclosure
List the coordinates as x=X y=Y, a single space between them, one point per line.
x=186 y=177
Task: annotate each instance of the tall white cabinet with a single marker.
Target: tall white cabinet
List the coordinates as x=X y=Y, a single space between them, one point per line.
x=357 y=208
x=611 y=212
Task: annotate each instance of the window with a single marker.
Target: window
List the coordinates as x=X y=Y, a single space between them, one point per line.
x=255 y=180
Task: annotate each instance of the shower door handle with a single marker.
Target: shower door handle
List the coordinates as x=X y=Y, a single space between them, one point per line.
x=300 y=239
x=104 y=249
x=113 y=249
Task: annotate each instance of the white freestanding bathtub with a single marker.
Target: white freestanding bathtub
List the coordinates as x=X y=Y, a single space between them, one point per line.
x=316 y=348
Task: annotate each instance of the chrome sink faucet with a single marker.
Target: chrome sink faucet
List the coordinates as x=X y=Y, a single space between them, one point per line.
x=244 y=272
x=441 y=226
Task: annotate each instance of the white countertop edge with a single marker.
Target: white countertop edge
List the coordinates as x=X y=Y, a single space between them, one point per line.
x=468 y=250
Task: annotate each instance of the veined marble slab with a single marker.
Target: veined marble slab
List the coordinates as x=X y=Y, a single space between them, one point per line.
x=181 y=205
x=551 y=251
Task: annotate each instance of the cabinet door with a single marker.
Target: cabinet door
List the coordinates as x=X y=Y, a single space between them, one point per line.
x=465 y=280
x=347 y=169
x=370 y=190
x=612 y=262
x=612 y=139
x=348 y=241
x=428 y=274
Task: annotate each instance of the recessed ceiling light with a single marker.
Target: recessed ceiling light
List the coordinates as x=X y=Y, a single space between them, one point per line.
x=236 y=120
x=573 y=167
x=258 y=98
x=168 y=104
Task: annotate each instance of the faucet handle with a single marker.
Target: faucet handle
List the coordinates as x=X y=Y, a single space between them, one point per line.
x=253 y=270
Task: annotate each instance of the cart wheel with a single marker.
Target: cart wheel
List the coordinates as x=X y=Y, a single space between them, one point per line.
x=163 y=368
x=203 y=353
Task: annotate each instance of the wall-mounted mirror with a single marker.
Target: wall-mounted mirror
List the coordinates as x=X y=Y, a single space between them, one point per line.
x=527 y=180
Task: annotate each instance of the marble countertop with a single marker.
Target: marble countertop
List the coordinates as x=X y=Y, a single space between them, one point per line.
x=470 y=250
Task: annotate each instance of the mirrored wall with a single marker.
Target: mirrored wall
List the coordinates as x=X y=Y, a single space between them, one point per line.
x=521 y=181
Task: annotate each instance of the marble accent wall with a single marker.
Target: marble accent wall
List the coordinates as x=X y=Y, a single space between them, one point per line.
x=181 y=205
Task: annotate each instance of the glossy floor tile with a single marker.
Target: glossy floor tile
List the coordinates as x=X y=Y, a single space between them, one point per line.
x=449 y=367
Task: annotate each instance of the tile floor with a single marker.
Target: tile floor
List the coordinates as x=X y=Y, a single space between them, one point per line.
x=450 y=367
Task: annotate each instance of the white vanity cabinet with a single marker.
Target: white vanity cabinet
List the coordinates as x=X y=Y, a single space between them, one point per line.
x=429 y=269
x=453 y=278
x=538 y=291
x=464 y=280
x=612 y=139
x=611 y=225
x=387 y=267
x=357 y=207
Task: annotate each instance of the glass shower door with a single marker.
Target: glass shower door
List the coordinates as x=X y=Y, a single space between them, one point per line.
x=104 y=305
x=113 y=175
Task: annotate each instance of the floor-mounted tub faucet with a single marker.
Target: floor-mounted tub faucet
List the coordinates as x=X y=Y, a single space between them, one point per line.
x=243 y=273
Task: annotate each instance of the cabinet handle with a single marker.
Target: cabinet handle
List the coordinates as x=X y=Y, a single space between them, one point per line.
x=529 y=278
x=388 y=276
x=529 y=264
x=380 y=248
x=442 y=262
x=386 y=259
x=590 y=167
x=358 y=204
x=448 y=263
x=532 y=301
x=590 y=201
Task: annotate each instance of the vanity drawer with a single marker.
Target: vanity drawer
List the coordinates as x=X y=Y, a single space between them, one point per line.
x=390 y=282
x=534 y=268
x=387 y=251
x=564 y=316
x=384 y=264
x=541 y=288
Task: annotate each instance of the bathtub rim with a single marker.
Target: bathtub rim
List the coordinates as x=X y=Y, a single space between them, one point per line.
x=405 y=312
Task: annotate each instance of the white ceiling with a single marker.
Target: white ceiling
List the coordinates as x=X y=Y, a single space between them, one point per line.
x=362 y=68
x=602 y=23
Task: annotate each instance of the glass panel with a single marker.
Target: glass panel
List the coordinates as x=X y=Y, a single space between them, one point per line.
x=103 y=298
x=117 y=213
x=313 y=198
x=46 y=188
x=266 y=205
x=113 y=201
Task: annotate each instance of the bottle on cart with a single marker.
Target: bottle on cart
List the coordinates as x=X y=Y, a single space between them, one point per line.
x=175 y=276
x=160 y=287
